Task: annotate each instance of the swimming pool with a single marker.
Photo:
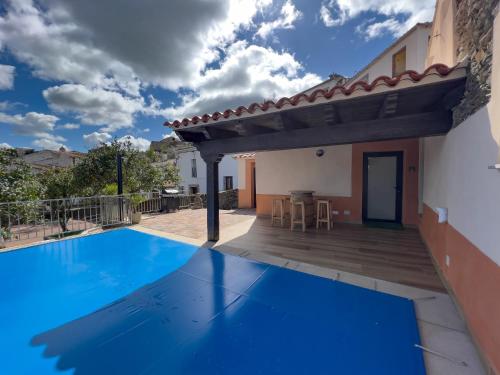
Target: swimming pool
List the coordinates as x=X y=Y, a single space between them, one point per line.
x=125 y=302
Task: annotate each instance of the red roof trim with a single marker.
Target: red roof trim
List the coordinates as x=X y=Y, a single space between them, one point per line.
x=441 y=69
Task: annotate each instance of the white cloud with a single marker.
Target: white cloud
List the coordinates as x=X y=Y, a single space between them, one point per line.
x=32 y=123
x=138 y=143
x=337 y=12
x=89 y=42
x=70 y=126
x=171 y=135
x=50 y=143
x=326 y=17
x=5 y=145
x=288 y=15
x=94 y=106
x=6 y=76
x=248 y=73
x=38 y=125
x=374 y=30
x=104 y=58
x=95 y=139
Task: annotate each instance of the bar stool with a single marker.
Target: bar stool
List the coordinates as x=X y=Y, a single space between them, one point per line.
x=278 y=205
x=323 y=213
x=294 y=207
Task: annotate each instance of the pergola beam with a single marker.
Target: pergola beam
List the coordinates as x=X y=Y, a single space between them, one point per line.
x=248 y=129
x=389 y=105
x=416 y=125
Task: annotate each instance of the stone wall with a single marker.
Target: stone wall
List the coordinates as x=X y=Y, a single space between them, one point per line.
x=228 y=199
x=474 y=26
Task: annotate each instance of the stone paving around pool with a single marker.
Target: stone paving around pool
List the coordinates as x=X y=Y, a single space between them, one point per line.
x=193 y=223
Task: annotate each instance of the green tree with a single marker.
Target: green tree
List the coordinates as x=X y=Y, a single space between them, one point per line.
x=97 y=171
x=59 y=184
x=17 y=181
x=171 y=176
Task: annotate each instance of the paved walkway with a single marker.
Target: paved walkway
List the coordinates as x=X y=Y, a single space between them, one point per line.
x=193 y=223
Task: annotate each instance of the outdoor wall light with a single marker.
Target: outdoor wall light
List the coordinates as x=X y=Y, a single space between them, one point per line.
x=320 y=152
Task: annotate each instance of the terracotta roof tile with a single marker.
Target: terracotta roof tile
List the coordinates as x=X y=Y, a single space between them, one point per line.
x=439 y=69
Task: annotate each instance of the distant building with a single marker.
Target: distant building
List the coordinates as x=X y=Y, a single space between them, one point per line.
x=40 y=161
x=193 y=172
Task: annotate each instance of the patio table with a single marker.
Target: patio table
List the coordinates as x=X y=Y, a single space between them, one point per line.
x=305 y=196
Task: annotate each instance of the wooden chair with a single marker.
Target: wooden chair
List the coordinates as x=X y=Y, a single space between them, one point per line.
x=278 y=211
x=294 y=207
x=323 y=214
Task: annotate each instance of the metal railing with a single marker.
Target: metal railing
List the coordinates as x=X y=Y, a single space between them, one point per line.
x=28 y=221
x=25 y=221
x=151 y=202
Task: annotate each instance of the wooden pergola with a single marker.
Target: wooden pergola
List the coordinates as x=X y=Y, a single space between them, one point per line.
x=407 y=106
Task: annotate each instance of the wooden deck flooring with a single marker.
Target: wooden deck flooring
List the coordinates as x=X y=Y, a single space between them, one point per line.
x=393 y=255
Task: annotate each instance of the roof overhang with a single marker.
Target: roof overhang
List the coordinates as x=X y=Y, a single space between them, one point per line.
x=406 y=106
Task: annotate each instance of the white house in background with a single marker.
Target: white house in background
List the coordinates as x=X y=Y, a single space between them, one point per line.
x=193 y=172
x=40 y=161
x=409 y=52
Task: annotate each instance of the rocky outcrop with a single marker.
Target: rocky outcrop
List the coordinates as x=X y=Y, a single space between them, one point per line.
x=474 y=26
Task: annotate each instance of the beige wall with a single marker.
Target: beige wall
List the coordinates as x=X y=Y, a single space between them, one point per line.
x=456 y=174
x=416 y=45
x=457 y=177
x=443 y=41
x=278 y=172
x=281 y=171
x=242 y=174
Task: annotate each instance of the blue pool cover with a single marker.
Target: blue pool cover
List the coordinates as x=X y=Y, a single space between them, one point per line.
x=125 y=302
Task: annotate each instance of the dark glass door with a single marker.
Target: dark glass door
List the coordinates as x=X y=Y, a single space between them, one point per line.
x=382 y=186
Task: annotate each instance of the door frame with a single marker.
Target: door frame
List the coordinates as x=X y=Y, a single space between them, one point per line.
x=399 y=184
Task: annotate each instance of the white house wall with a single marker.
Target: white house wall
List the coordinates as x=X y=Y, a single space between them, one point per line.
x=457 y=178
x=416 y=50
x=416 y=43
x=227 y=167
x=456 y=174
x=278 y=172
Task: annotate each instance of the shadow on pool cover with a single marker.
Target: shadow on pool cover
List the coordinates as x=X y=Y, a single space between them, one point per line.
x=221 y=314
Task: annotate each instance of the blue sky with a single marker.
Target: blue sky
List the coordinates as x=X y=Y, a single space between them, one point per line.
x=77 y=73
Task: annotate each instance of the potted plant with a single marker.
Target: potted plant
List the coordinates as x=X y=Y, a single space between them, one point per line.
x=135 y=201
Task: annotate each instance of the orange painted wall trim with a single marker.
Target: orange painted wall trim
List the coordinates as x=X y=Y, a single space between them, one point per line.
x=474 y=279
x=245 y=195
x=354 y=204
x=410 y=148
x=264 y=204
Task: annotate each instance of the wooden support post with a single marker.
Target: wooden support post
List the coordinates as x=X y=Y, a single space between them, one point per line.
x=212 y=161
